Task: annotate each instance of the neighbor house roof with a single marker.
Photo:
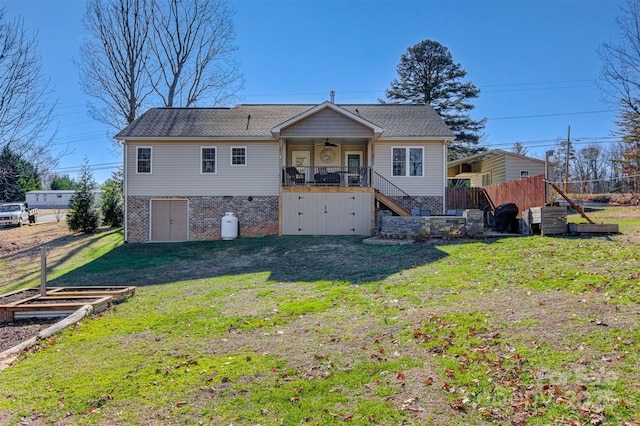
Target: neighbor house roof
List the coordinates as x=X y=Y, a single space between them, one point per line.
x=488 y=154
x=257 y=121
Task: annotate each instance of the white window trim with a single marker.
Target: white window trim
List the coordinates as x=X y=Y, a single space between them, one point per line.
x=407 y=161
x=138 y=148
x=527 y=174
x=246 y=155
x=215 y=161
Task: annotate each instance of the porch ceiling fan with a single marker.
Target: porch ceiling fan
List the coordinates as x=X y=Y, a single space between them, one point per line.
x=327 y=143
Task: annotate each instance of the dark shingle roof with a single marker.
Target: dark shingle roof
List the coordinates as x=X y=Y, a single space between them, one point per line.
x=397 y=120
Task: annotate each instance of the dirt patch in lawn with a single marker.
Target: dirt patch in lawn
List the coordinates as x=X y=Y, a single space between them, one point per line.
x=20 y=249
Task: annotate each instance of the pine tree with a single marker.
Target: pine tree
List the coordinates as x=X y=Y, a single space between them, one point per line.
x=112 y=201
x=519 y=149
x=17 y=176
x=84 y=216
x=427 y=74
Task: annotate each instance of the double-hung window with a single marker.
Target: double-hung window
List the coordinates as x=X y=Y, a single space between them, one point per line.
x=238 y=156
x=407 y=161
x=143 y=159
x=208 y=159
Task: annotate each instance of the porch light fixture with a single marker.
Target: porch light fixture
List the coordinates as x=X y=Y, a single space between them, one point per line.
x=327 y=143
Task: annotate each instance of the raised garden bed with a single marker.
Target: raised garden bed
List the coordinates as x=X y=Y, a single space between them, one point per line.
x=18 y=296
x=51 y=306
x=59 y=301
x=118 y=293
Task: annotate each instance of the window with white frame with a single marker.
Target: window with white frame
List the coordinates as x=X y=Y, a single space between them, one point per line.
x=524 y=174
x=238 y=156
x=208 y=159
x=143 y=159
x=407 y=161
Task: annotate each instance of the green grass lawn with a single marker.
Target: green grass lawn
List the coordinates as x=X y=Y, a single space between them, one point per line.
x=325 y=330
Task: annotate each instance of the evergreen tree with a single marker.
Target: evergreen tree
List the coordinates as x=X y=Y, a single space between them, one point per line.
x=84 y=216
x=63 y=183
x=112 y=201
x=427 y=74
x=562 y=162
x=519 y=149
x=17 y=176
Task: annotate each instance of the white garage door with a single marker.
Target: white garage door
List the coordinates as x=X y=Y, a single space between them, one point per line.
x=327 y=213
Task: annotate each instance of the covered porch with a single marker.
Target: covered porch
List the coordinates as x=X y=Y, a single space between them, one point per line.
x=327 y=162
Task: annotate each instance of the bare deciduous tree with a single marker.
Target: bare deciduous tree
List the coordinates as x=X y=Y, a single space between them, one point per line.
x=147 y=52
x=26 y=110
x=192 y=45
x=620 y=80
x=590 y=169
x=113 y=59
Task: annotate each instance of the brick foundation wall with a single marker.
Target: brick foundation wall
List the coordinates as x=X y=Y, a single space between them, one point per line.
x=257 y=216
x=432 y=203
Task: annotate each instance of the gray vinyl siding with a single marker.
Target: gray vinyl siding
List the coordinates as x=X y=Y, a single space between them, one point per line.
x=327 y=124
x=505 y=168
x=433 y=181
x=516 y=164
x=176 y=170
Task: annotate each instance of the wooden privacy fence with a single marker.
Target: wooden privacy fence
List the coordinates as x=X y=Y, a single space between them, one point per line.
x=524 y=193
x=465 y=198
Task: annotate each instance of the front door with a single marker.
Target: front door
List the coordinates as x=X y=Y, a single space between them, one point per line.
x=353 y=161
x=169 y=220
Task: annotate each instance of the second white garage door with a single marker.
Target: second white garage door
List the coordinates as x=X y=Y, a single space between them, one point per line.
x=327 y=213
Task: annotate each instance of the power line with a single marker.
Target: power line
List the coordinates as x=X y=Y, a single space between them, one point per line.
x=102 y=166
x=550 y=115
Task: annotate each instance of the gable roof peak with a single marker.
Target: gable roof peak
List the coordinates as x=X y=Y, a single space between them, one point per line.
x=377 y=130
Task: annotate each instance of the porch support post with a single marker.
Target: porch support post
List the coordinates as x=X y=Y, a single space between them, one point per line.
x=372 y=154
x=282 y=156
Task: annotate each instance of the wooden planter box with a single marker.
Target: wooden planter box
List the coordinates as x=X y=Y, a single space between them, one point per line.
x=593 y=228
x=117 y=293
x=51 y=306
x=548 y=220
x=59 y=301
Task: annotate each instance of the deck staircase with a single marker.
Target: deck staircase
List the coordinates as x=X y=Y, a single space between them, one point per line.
x=393 y=197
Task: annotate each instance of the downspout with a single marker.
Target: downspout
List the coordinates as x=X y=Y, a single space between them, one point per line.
x=124 y=189
x=445 y=150
x=280 y=180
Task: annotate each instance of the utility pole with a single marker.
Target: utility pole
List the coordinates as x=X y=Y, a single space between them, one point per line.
x=566 y=170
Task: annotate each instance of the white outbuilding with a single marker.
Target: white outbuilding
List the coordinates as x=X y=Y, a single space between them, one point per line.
x=54 y=199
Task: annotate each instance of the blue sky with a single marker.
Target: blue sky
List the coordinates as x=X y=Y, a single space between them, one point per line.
x=535 y=62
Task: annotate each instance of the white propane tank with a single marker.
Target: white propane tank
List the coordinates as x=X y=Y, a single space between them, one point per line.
x=229 y=230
